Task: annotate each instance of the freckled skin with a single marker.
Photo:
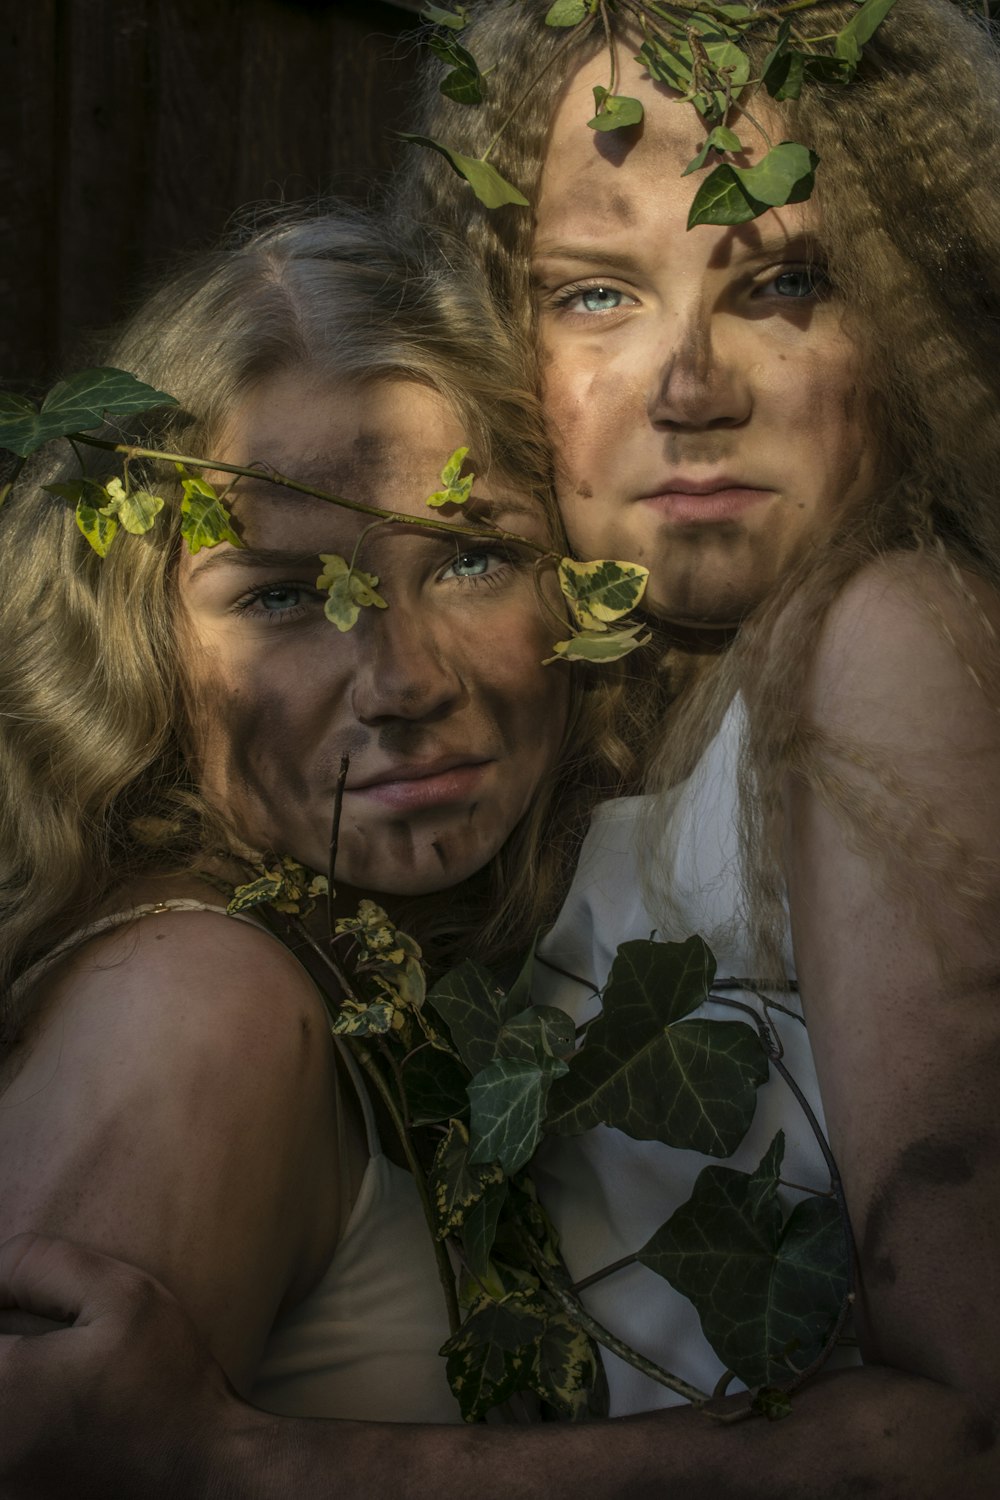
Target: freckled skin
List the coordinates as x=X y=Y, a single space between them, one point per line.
x=450 y=670
x=701 y=369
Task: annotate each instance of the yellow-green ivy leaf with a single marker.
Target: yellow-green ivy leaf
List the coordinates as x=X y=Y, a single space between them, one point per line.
x=137 y=510
x=99 y=529
x=455 y=489
x=205 y=521
x=594 y=646
x=569 y=12
x=601 y=591
x=349 y=589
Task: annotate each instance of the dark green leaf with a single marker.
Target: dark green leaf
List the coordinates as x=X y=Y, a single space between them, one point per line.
x=670 y=65
x=784 y=175
x=464 y=83
x=473 y=1007
x=614 y=111
x=721 y=200
x=508 y=1107
x=536 y=1034
x=74 y=405
x=434 y=1083
x=766 y=1293
x=861 y=28
x=480 y=1228
x=654 y=1075
x=719 y=139
x=490 y=1355
x=489 y=187
x=729 y=59
x=453 y=1183
x=829 y=69
x=519 y=994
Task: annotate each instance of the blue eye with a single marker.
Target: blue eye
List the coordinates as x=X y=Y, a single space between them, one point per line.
x=799 y=283
x=281 y=597
x=601 y=299
x=470 y=565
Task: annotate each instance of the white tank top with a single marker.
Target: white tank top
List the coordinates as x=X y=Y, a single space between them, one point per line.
x=606 y=1193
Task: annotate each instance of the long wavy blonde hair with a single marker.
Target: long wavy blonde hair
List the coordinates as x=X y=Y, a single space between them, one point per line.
x=92 y=704
x=909 y=193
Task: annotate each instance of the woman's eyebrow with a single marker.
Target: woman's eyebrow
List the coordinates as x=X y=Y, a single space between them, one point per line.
x=253 y=557
x=620 y=260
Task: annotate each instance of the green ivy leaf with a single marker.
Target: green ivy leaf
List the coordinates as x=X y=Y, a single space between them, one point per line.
x=567 y=1371
x=485 y=181
x=727 y=58
x=473 y=1008
x=598 y=646
x=601 y=591
x=455 y=489
x=434 y=1084
x=508 y=1106
x=74 y=405
x=734 y=195
x=568 y=12
x=349 y=591
x=488 y=1356
x=464 y=83
x=719 y=139
x=519 y=994
x=137 y=510
x=614 y=111
x=536 y=1034
x=649 y=1072
x=861 y=28
x=671 y=65
x=454 y=1183
x=765 y=1292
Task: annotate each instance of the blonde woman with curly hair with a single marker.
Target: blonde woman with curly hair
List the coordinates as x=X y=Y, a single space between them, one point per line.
x=794 y=424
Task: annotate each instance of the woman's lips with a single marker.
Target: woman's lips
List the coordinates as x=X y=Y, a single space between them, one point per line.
x=413 y=791
x=688 y=507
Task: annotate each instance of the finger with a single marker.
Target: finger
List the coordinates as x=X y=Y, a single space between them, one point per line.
x=56 y=1279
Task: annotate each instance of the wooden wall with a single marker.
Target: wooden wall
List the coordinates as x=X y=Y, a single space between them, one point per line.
x=133 y=129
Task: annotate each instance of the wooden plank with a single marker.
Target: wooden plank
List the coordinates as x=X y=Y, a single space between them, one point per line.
x=28 y=248
x=101 y=160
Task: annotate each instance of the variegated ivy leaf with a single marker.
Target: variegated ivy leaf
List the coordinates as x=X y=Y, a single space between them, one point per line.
x=349 y=590
x=614 y=111
x=137 y=510
x=489 y=1356
x=567 y=1371
x=601 y=591
x=490 y=188
x=598 y=646
x=205 y=521
x=456 y=490
x=455 y=1184
x=391 y=956
x=288 y=887
x=373 y=1020
x=87 y=498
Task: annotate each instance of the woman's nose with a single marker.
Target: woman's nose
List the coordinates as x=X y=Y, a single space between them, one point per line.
x=404 y=671
x=695 y=383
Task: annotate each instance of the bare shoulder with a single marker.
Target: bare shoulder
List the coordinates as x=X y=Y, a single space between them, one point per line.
x=906 y=656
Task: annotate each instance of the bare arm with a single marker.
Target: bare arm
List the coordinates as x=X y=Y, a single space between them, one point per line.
x=176 y=1108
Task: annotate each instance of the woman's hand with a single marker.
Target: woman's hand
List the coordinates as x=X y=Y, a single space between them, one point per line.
x=127 y=1389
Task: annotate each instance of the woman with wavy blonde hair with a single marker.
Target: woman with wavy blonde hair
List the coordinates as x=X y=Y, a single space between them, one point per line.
x=793 y=422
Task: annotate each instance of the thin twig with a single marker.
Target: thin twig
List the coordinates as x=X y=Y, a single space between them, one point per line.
x=331 y=863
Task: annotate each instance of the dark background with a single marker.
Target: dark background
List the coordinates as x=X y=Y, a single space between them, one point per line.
x=131 y=130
